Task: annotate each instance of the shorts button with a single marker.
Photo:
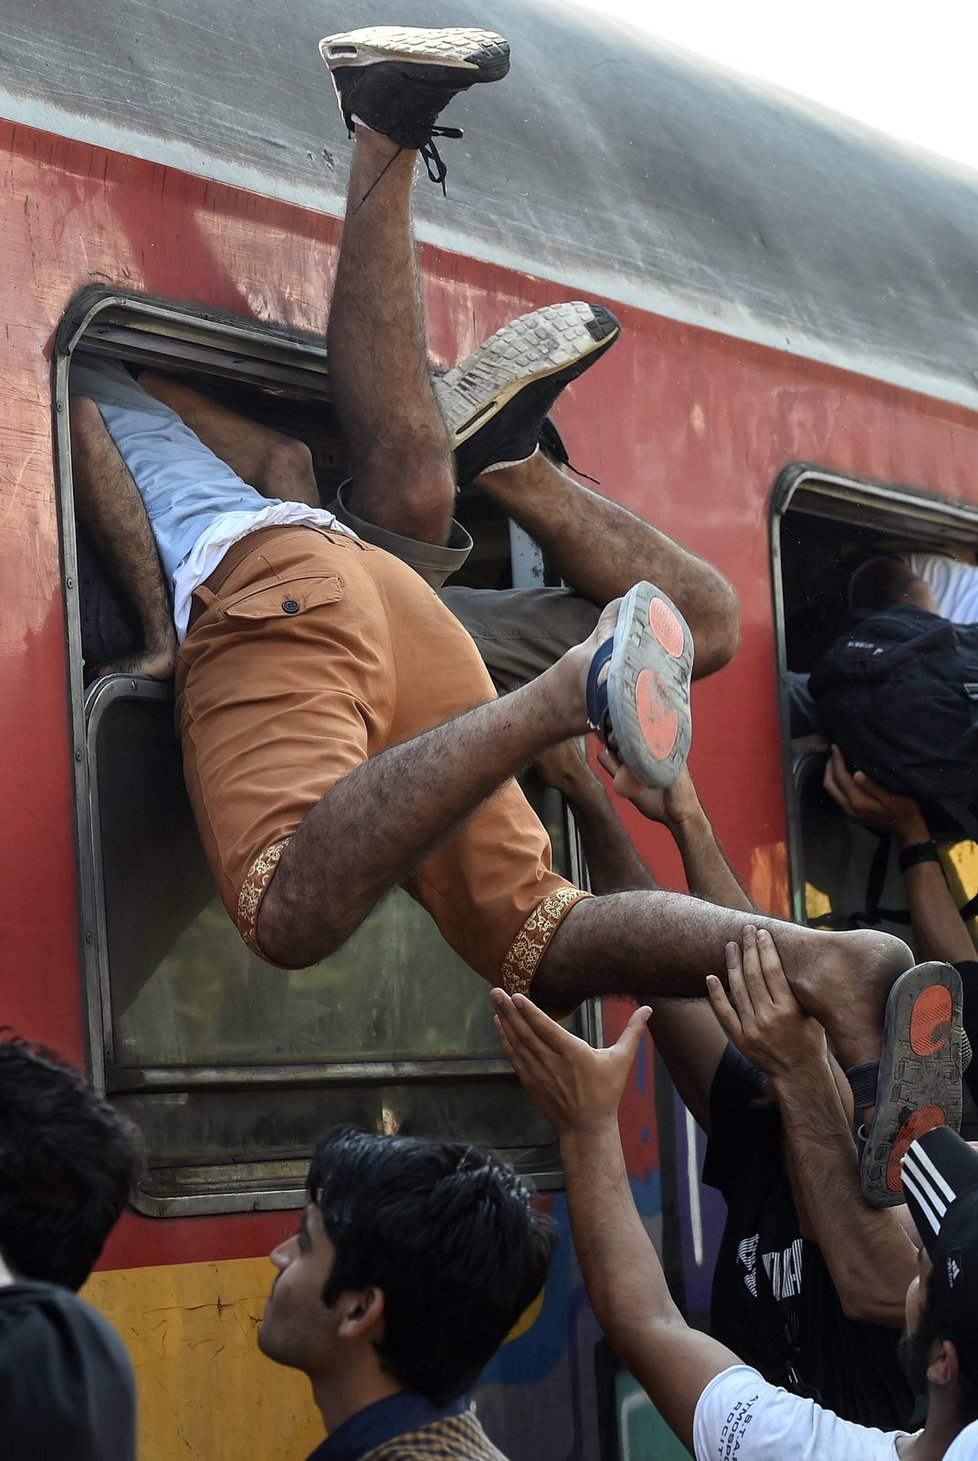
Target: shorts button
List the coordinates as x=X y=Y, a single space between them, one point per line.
x=290 y=606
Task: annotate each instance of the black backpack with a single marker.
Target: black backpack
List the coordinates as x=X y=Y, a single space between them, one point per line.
x=898 y=694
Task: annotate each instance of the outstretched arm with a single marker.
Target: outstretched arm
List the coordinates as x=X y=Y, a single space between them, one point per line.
x=579 y=1090
x=108 y=503
x=708 y=873
x=868 y=1253
x=685 y=1031
x=275 y=465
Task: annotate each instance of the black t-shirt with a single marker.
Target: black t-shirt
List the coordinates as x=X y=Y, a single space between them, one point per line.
x=66 y=1385
x=773 y=1301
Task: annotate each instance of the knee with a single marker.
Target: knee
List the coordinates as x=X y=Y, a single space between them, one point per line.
x=286 y=931
x=717 y=636
x=291 y=473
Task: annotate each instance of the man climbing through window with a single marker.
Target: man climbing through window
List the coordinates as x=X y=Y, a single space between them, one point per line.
x=338 y=727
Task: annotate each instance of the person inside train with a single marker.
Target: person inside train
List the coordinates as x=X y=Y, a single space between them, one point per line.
x=338 y=727
x=67 y=1162
x=939 y=931
x=413 y=1262
x=719 y=1406
x=809 y=1281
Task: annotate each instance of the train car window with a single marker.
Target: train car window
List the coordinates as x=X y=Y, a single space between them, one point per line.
x=823 y=527
x=231 y=1067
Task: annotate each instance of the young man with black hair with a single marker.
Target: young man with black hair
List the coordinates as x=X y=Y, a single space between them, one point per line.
x=717 y=1406
x=67 y=1161
x=413 y=1262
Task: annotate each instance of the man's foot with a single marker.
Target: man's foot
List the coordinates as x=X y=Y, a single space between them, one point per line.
x=398 y=80
x=495 y=402
x=638 y=686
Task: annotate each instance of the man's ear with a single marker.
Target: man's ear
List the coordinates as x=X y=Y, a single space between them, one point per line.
x=943 y=1367
x=362 y=1313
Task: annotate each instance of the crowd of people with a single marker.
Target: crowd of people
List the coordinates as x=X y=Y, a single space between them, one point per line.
x=825 y=1068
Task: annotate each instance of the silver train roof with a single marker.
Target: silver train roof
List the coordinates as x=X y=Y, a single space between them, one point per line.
x=606 y=162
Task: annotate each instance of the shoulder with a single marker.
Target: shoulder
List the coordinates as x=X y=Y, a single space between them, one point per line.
x=451 y=1438
x=740 y=1415
x=64 y=1374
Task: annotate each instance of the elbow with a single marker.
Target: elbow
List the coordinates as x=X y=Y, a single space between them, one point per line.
x=868 y=1303
x=290 y=473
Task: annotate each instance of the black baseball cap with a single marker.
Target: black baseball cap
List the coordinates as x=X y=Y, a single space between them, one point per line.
x=940 y=1183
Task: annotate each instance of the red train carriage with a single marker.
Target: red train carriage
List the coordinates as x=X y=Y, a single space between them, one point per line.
x=795 y=381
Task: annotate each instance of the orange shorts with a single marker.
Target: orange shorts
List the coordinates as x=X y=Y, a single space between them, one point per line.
x=315 y=652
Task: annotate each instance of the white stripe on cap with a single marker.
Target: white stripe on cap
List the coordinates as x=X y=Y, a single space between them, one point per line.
x=927 y=1186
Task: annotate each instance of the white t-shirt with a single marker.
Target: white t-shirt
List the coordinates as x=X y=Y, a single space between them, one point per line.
x=965 y=1448
x=740 y=1417
x=954 y=584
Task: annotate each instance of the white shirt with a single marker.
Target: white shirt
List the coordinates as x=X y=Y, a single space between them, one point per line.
x=965 y=1448
x=954 y=584
x=740 y=1417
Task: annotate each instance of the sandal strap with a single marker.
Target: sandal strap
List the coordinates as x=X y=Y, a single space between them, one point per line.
x=863 y=1081
x=597 y=695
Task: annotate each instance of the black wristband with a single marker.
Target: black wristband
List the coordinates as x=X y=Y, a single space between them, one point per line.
x=918 y=852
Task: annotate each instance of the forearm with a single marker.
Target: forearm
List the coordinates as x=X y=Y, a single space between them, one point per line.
x=621 y=1269
x=867 y=1252
x=613 y=864
x=626 y=1284
x=108 y=503
x=708 y=874
x=938 y=929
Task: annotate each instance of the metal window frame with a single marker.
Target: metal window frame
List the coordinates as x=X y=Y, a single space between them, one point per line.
x=861 y=501
x=161 y=333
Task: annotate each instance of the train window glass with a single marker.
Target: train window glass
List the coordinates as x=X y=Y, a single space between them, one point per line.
x=823 y=527
x=232 y=1067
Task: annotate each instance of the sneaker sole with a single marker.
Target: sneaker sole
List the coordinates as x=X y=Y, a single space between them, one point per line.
x=481 y=51
x=919 y=1083
x=648 y=686
x=557 y=338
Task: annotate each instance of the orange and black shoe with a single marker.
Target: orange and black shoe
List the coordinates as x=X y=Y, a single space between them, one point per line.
x=917 y=1084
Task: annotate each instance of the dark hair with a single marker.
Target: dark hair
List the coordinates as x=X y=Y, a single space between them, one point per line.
x=915 y=1351
x=67 y=1159
x=880 y=582
x=449 y=1236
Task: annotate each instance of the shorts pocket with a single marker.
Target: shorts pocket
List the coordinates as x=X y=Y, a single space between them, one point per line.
x=284 y=598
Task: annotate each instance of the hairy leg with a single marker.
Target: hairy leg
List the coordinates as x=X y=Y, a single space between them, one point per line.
x=601 y=549
x=372 y=828
x=664 y=944
x=403 y=478
x=108 y=503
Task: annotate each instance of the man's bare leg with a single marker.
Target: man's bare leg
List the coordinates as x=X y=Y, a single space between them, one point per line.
x=108 y=504
x=274 y=464
x=601 y=549
x=371 y=829
x=402 y=472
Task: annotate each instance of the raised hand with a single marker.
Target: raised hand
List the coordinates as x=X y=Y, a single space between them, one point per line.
x=571 y=1083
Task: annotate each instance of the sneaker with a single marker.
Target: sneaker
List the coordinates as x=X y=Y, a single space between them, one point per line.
x=495 y=403
x=399 y=80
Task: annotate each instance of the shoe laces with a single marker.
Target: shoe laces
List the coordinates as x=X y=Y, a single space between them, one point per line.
x=432 y=159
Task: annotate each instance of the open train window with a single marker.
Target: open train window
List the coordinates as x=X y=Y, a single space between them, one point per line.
x=823 y=526
x=230 y=1067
